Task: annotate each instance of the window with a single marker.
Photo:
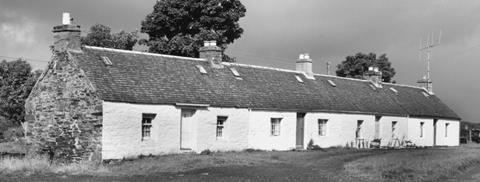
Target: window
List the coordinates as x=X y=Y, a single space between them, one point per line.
x=358 y=132
x=446 y=129
x=421 y=128
x=377 y=126
x=220 y=125
x=299 y=79
x=147 y=125
x=394 y=128
x=275 y=126
x=322 y=127
x=106 y=60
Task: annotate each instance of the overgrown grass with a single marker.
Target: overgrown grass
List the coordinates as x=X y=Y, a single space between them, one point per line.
x=414 y=165
x=338 y=164
x=147 y=165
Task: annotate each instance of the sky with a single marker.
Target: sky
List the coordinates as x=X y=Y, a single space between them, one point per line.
x=276 y=32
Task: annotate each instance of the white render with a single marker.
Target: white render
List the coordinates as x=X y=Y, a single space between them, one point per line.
x=245 y=128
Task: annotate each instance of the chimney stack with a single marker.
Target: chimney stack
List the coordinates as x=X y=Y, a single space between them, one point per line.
x=212 y=53
x=374 y=75
x=304 y=64
x=66 y=36
x=427 y=84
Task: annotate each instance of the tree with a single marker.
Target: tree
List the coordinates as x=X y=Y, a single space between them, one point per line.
x=101 y=36
x=355 y=66
x=16 y=82
x=180 y=27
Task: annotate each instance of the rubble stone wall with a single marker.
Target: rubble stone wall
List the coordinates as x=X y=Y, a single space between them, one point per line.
x=64 y=113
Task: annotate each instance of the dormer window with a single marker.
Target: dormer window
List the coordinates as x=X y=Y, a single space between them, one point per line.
x=201 y=69
x=106 y=60
x=331 y=83
x=234 y=72
x=299 y=79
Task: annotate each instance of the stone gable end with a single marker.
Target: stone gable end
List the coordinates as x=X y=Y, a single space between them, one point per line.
x=64 y=113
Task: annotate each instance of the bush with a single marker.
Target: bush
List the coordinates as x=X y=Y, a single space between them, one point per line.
x=206 y=152
x=312 y=146
x=13 y=133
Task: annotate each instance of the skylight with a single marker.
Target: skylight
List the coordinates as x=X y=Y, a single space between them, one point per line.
x=106 y=60
x=394 y=90
x=331 y=83
x=299 y=79
x=234 y=71
x=201 y=69
x=425 y=94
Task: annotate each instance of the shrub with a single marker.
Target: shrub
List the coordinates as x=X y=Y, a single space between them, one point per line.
x=206 y=152
x=312 y=146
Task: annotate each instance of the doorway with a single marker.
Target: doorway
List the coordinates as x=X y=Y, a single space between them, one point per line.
x=300 y=130
x=187 y=129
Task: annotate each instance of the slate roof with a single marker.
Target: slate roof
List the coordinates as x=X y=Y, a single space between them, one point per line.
x=161 y=79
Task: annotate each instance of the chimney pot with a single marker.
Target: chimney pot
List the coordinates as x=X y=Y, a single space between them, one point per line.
x=66 y=20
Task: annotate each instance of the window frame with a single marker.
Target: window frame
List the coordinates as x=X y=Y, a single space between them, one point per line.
x=422 y=124
x=394 y=129
x=219 y=131
x=275 y=129
x=322 y=127
x=446 y=129
x=147 y=123
x=358 y=131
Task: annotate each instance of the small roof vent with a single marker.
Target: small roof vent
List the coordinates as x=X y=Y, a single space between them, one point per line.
x=201 y=69
x=299 y=79
x=394 y=90
x=331 y=83
x=234 y=71
x=106 y=60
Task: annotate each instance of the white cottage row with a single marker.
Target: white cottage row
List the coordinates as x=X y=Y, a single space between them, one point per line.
x=97 y=103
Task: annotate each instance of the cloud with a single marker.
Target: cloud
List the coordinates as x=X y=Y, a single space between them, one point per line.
x=20 y=33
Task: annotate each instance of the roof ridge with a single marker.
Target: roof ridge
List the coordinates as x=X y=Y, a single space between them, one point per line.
x=144 y=53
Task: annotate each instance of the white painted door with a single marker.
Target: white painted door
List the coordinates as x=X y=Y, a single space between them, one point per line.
x=186 y=129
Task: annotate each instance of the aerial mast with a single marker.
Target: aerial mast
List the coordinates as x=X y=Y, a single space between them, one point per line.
x=427 y=50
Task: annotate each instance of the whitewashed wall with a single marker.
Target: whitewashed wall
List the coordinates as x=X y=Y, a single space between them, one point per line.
x=452 y=139
x=401 y=131
x=235 y=132
x=414 y=131
x=341 y=129
x=122 y=130
x=121 y=135
x=260 y=130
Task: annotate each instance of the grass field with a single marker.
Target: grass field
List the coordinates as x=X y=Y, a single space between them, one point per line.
x=329 y=165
